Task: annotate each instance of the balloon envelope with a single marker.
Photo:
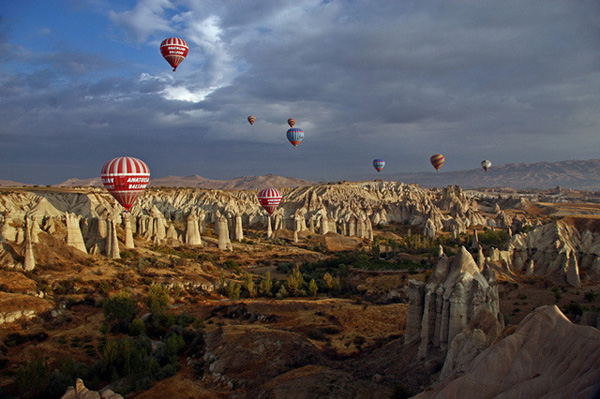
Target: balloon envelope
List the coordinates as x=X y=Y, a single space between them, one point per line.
x=378 y=164
x=269 y=198
x=485 y=164
x=125 y=178
x=174 y=50
x=251 y=119
x=295 y=136
x=291 y=122
x=437 y=161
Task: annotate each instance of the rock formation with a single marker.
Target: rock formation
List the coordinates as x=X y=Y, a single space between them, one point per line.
x=224 y=242
x=79 y=391
x=129 y=243
x=269 y=230
x=74 y=237
x=546 y=357
x=239 y=232
x=557 y=249
x=453 y=296
x=29 y=262
x=192 y=231
x=112 y=242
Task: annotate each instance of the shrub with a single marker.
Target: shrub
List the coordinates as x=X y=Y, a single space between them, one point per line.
x=158 y=298
x=121 y=307
x=33 y=377
x=282 y=293
x=136 y=327
x=590 y=296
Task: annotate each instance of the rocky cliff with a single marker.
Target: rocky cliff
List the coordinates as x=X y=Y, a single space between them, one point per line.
x=546 y=357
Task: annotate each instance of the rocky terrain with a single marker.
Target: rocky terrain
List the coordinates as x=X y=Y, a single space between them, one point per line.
x=348 y=290
x=195 y=181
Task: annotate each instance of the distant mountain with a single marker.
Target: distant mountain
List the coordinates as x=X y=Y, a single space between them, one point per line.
x=11 y=183
x=579 y=175
x=195 y=181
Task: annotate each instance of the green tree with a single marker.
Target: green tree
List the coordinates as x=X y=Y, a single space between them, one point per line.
x=294 y=281
x=249 y=284
x=136 y=327
x=233 y=290
x=328 y=279
x=282 y=293
x=158 y=298
x=313 y=288
x=121 y=307
x=266 y=285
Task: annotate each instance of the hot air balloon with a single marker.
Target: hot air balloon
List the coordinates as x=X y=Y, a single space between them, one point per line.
x=125 y=178
x=437 y=161
x=485 y=164
x=378 y=164
x=251 y=119
x=269 y=198
x=295 y=136
x=291 y=122
x=174 y=50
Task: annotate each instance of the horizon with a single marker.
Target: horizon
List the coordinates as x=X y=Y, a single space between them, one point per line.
x=359 y=179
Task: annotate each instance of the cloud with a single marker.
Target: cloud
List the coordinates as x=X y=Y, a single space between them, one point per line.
x=511 y=82
x=147 y=17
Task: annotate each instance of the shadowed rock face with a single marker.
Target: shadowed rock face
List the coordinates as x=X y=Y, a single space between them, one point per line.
x=454 y=295
x=252 y=355
x=546 y=357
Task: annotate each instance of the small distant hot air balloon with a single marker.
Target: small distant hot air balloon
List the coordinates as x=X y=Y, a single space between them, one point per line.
x=295 y=136
x=269 y=198
x=485 y=164
x=378 y=164
x=437 y=161
x=125 y=178
x=174 y=50
x=251 y=119
x=291 y=122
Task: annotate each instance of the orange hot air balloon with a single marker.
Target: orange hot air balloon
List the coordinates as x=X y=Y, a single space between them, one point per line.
x=291 y=122
x=437 y=161
x=125 y=178
x=251 y=119
x=174 y=50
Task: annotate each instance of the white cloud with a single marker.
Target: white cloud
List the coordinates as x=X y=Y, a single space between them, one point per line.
x=147 y=17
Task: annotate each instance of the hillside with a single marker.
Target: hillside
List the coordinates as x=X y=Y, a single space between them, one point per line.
x=576 y=174
x=195 y=181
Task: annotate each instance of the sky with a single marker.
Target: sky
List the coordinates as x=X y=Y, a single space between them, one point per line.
x=83 y=81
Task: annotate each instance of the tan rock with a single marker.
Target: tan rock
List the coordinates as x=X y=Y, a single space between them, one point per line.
x=546 y=357
x=74 y=236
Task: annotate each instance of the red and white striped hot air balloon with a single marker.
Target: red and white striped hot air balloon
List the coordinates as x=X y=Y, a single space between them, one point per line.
x=174 y=50
x=269 y=198
x=125 y=178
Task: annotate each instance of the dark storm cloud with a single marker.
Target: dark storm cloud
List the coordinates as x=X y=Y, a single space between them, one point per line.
x=513 y=81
